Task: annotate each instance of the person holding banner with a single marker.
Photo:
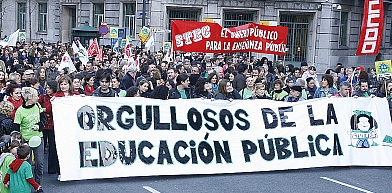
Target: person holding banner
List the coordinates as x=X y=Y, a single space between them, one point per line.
x=278 y=93
x=226 y=91
x=362 y=91
x=326 y=87
x=295 y=94
x=104 y=90
x=182 y=89
x=203 y=89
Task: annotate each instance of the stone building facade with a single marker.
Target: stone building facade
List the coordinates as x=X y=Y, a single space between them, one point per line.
x=321 y=32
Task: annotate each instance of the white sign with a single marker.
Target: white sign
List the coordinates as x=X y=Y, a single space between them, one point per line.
x=121 y=137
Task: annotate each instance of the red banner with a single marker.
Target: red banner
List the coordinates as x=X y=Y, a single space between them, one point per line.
x=190 y=36
x=372 y=26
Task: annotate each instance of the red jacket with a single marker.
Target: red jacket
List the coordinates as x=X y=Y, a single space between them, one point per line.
x=44 y=100
x=16 y=104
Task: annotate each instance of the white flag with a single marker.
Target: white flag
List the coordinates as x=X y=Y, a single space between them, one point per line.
x=169 y=55
x=66 y=62
x=150 y=43
x=75 y=47
x=10 y=40
x=83 y=54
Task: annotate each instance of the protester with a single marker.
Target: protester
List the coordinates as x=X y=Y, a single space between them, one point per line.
x=160 y=92
x=295 y=94
x=65 y=87
x=226 y=91
x=181 y=90
x=362 y=91
x=48 y=131
x=115 y=85
x=144 y=88
x=6 y=123
x=30 y=120
x=278 y=93
x=203 y=89
x=311 y=72
x=15 y=97
x=326 y=87
x=89 y=84
x=20 y=175
x=260 y=92
x=344 y=89
x=6 y=158
x=213 y=79
x=133 y=91
x=130 y=77
x=247 y=92
x=104 y=90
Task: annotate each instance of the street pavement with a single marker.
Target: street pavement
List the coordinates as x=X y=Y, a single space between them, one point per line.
x=327 y=179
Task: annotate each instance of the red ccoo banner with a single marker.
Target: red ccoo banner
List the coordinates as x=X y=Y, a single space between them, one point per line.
x=191 y=36
x=372 y=26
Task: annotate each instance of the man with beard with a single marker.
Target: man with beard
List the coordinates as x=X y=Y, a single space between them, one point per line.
x=362 y=90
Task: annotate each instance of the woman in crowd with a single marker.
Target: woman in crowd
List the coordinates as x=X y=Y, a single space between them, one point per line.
x=213 y=80
x=230 y=76
x=144 y=87
x=30 y=120
x=278 y=93
x=326 y=88
x=77 y=83
x=260 y=92
x=89 y=84
x=203 y=89
x=33 y=82
x=65 y=87
x=15 y=97
x=310 y=88
x=6 y=123
x=15 y=77
x=41 y=76
x=3 y=80
x=336 y=80
x=115 y=84
x=311 y=72
x=48 y=132
x=226 y=91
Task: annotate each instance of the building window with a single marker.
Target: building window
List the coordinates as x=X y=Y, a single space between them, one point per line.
x=21 y=16
x=42 y=17
x=129 y=17
x=185 y=15
x=98 y=14
x=234 y=19
x=343 y=33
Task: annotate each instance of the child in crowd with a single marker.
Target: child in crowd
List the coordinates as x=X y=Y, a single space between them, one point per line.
x=19 y=174
x=6 y=159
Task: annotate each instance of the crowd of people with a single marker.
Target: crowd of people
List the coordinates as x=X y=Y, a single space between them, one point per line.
x=30 y=79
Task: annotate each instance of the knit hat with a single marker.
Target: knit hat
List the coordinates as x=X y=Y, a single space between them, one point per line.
x=304 y=63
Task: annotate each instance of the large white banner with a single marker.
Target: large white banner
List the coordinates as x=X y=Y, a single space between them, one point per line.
x=121 y=137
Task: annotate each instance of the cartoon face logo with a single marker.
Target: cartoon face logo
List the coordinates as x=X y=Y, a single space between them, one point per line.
x=363 y=128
